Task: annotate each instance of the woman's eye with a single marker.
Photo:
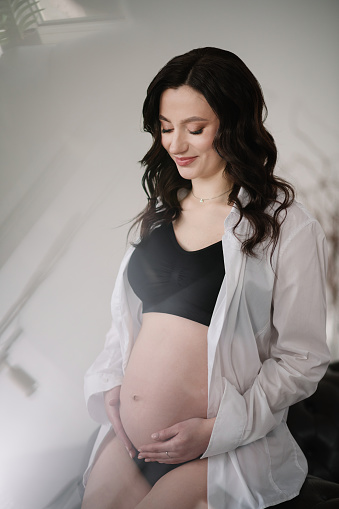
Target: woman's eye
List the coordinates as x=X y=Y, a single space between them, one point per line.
x=164 y=131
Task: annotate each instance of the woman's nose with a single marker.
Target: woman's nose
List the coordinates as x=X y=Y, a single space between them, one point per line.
x=178 y=144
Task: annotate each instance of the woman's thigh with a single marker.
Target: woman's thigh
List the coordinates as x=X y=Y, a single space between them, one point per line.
x=182 y=488
x=115 y=482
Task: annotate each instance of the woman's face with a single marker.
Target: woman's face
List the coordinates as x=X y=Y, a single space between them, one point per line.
x=188 y=128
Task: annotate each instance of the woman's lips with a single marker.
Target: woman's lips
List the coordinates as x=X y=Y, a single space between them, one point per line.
x=184 y=161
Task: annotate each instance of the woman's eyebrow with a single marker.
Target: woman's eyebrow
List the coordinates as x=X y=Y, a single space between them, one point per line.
x=186 y=120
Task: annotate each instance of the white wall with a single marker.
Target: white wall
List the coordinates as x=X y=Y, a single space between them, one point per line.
x=70 y=122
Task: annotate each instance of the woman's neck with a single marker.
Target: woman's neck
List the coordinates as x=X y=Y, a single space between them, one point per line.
x=216 y=190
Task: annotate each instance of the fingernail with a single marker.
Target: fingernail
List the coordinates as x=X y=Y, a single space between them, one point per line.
x=140 y=456
x=147 y=460
x=155 y=435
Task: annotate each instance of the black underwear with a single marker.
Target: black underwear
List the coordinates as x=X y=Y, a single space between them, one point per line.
x=153 y=471
x=169 y=279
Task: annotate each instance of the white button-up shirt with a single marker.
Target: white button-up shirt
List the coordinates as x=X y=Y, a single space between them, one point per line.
x=266 y=351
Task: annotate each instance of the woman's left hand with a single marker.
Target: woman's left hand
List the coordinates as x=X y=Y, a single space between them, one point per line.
x=184 y=441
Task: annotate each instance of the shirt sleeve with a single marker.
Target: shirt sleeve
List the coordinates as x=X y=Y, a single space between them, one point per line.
x=106 y=372
x=297 y=355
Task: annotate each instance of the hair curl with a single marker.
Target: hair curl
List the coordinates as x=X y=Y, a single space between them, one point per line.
x=248 y=148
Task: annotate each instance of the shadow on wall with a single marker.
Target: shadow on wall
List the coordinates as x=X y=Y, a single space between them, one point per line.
x=70 y=183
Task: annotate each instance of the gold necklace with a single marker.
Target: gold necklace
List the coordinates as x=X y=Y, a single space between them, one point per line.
x=214 y=197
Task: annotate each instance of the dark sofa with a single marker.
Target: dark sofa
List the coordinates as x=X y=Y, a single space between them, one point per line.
x=314 y=424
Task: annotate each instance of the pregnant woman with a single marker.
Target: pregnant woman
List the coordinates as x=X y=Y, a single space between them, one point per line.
x=218 y=309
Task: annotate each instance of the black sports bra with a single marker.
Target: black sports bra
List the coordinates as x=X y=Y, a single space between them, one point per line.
x=168 y=279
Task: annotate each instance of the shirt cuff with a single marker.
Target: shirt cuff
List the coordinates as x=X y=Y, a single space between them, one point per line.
x=230 y=422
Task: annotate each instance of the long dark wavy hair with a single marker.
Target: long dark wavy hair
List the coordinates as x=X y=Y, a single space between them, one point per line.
x=242 y=141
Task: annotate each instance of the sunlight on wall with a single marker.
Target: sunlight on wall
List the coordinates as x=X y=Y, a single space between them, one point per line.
x=61 y=9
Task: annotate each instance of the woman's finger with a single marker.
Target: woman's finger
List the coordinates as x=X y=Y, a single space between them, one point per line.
x=165 y=434
x=112 y=403
x=121 y=434
x=162 y=457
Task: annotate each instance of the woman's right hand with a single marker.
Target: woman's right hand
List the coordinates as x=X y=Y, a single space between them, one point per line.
x=112 y=406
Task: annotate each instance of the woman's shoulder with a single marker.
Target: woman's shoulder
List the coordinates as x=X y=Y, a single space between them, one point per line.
x=294 y=215
x=297 y=220
x=298 y=216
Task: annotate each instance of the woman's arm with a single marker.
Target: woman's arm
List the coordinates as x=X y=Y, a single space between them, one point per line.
x=298 y=352
x=106 y=372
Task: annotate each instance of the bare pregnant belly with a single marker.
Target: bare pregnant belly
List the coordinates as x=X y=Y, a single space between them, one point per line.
x=166 y=377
